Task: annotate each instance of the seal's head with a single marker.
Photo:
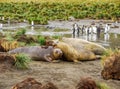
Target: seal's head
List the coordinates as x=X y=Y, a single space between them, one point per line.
x=57 y=53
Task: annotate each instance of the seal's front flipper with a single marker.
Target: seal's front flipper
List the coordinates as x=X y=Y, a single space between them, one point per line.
x=48 y=58
x=76 y=61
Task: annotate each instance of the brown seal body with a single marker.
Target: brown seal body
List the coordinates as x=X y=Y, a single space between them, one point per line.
x=85 y=45
x=73 y=52
x=39 y=53
x=69 y=53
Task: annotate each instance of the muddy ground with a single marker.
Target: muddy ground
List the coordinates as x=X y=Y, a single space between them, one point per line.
x=65 y=75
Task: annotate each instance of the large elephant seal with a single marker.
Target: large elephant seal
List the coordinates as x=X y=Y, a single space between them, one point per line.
x=39 y=53
x=85 y=45
x=69 y=53
x=73 y=52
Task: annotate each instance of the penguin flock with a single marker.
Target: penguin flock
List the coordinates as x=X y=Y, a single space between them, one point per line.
x=90 y=29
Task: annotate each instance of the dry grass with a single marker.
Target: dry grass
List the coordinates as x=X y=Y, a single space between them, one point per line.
x=61 y=1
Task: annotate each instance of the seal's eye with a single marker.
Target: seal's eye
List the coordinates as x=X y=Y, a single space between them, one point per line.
x=56 y=52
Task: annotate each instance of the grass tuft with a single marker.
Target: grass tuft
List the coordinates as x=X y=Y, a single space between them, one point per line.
x=22 y=61
x=108 y=53
x=21 y=32
x=102 y=86
x=41 y=11
x=41 y=40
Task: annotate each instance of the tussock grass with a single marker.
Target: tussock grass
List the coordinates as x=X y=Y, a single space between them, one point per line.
x=41 y=11
x=9 y=37
x=41 y=40
x=22 y=61
x=20 y=32
x=57 y=36
x=108 y=53
x=62 y=1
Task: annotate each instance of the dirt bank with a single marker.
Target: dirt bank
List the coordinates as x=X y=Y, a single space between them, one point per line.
x=65 y=75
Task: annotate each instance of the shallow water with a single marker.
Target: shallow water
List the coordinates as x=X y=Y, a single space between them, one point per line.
x=107 y=40
x=111 y=39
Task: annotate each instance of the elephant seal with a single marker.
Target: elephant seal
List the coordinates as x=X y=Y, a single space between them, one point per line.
x=85 y=45
x=69 y=53
x=39 y=53
x=73 y=52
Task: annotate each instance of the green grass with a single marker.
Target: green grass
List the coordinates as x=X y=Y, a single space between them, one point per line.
x=41 y=40
x=22 y=61
x=108 y=53
x=9 y=37
x=59 y=1
x=59 y=30
x=57 y=37
x=22 y=44
x=42 y=11
x=102 y=86
x=20 y=32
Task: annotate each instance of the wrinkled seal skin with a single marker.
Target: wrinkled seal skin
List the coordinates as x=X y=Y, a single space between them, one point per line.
x=69 y=53
x=85 y=45
x=73 y=52
x=39 y=53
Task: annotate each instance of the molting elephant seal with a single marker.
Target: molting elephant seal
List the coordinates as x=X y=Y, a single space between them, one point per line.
x=39 y=53
x=85 y=45
x=69 y=53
